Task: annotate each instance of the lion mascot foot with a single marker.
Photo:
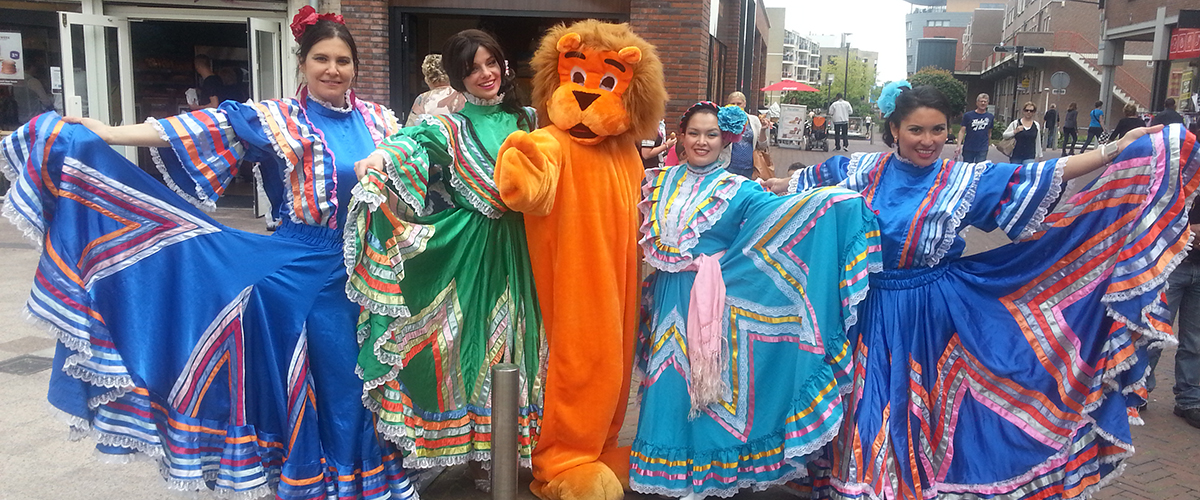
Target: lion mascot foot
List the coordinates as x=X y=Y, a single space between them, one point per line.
x=591 y=481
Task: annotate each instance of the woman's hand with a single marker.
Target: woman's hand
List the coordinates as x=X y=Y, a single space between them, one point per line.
x=670 y=142
x=1135 y=134
x=777 y=185
x=100 y=128
x=371 y=162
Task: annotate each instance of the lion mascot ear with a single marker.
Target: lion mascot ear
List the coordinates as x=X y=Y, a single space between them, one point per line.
x=631 y=55
x=569 y=42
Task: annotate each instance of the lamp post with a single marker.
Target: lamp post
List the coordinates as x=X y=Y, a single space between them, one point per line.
x=828 y=88
x=846 y=80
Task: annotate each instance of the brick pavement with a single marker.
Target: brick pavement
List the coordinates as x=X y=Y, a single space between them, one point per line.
x=39 y=463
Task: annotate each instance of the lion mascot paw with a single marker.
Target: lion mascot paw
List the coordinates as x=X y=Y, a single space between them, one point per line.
x=599 y=87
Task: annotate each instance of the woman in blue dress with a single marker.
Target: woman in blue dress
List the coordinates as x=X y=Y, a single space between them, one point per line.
x=229 y=357
x=743 y=350
x=1015 y=373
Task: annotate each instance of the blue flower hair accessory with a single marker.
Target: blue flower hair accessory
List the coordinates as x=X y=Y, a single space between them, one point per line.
x=733 y=121
x=887 y=97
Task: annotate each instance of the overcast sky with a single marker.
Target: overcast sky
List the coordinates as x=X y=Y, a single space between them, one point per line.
x=876 y=25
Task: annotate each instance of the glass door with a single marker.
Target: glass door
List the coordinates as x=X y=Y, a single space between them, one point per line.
x=266 y=80
x=98 y=69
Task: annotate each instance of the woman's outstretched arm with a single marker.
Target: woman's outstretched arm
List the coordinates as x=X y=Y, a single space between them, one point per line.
x=142 y=134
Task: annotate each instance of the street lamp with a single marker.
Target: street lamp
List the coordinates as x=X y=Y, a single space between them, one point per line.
x=846 y=80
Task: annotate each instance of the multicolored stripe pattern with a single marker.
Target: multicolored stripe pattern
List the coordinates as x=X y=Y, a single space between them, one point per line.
x=789 y=242
x=62 y=180
x=1085 y=318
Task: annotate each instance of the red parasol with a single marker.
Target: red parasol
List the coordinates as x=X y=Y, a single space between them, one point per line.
x=789 y=85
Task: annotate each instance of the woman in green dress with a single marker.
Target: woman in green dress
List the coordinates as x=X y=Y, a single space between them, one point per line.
x=446 y=293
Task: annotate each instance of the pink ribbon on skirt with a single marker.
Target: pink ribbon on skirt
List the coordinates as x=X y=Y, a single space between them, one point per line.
x=708 y=352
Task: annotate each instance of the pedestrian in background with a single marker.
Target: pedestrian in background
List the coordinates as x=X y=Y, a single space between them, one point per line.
x=441 y=98
x=654 y=153
x=1168 y=115
x=839 y=114
x=1050 y=125
x=211 y=86
x=1095 y=126
x=1183 y=302
x=1070 y=128
x=1027 y=133
x=1127 y=123
x=976 y=132
x=741 y=159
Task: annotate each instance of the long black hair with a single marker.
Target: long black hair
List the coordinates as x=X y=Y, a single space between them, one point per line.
x=325 y=29
x=458 y=59
x=921 y=96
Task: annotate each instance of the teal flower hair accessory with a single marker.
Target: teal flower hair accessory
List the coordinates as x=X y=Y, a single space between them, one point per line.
x=732 y=120
x=887 y=97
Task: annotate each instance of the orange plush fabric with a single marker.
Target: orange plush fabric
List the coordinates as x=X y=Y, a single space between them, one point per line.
x=578 y=182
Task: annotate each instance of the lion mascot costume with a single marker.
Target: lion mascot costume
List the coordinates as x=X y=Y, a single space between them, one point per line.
x=599 y=87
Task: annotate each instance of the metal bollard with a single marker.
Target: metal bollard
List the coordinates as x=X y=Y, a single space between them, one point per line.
x=505 y=454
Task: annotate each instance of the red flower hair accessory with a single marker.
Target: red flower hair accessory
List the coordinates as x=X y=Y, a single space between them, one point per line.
x=308 y=16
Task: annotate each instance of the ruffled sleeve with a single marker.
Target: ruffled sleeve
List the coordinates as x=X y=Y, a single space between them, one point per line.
x=1015 y=198
x=206 y=146
x=829 y=173
x=409 y=154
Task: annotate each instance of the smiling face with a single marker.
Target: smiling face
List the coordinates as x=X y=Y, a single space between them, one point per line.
x=921 y=135
x=484 y=79
x=702 y=139
x=329 y=70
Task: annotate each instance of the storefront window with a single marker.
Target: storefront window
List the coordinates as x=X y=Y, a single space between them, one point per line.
x=30 y=65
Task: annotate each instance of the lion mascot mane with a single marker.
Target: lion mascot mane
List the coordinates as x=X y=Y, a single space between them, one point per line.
x=599 y=88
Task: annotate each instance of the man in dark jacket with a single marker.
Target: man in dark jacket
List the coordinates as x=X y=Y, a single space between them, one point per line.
x=1050 y=126
x=1168 y=115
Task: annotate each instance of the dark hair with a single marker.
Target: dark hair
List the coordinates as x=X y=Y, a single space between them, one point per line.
x=697 y=108
x=1099 y=103
x=1169 y=103
x=839 y=96
x=796 y=166
x=458 y=59
x=1071 y=107
x=325 y=29
x=921 y=96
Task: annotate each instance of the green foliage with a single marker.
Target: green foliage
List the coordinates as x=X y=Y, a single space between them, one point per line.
x=955 y=91
x=998 y=130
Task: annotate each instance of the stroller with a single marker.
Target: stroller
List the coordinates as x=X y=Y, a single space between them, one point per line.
x=816 y=133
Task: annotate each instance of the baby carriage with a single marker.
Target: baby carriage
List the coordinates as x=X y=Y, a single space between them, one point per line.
x=816 y=134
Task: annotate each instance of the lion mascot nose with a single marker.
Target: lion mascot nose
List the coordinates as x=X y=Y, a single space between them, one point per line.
x=585 y=99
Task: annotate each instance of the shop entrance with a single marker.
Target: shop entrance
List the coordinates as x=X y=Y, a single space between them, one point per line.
x=417 y=33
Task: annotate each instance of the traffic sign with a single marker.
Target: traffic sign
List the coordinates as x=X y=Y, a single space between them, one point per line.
x=1035 y=50
x=1004 y=48
x=1060 y=80
x=1058 y=91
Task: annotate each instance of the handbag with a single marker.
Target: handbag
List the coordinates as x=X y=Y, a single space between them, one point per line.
x=1006 y=146
x=764 y=167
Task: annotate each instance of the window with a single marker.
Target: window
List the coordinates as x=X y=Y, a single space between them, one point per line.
x=909 y=42
x=938 y=22
x=908 y=26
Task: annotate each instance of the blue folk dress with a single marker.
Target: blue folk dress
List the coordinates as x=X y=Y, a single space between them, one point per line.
x=794 y=270
x=1014 y=373
x=227 y=356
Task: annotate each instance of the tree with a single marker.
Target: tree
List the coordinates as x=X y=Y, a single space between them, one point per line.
x=860 y=83
x=954 y=90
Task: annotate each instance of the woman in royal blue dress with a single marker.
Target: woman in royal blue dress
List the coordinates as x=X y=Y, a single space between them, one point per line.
x=1015 y=373
x=229 y=357
x=743 y=348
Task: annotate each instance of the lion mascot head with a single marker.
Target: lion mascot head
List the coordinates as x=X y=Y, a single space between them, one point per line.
x=596 y=80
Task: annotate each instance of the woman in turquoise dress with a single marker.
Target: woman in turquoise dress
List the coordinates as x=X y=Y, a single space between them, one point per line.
x=1014 y=373
x=446 y=294
x=743 y=349
x=228 y=357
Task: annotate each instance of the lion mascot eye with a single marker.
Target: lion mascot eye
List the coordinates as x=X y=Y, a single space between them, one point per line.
x=609 y=82
x=578 y=76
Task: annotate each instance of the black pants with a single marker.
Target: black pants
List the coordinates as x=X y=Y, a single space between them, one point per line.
x=839 y=134
x=1092 y=132
x=1074 y=135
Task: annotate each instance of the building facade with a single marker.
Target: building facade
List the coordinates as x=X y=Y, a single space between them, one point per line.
x=932 y=14
x=1172 y=30
x=790 y=55
x=708 y=48
x=1069 y=33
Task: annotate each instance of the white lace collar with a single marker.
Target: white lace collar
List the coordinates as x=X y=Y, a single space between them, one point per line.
x=328 y=105
x=483 y=102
